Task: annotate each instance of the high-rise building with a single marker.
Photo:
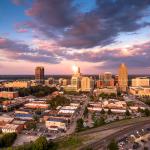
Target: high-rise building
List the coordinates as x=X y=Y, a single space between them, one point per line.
x=39 y=74
x=76 y=82
x=123 y=78
x=101 y=77
x=87 y=84
x=76 y=71
x=105 y=80
x=107 y=76
x=116 y=80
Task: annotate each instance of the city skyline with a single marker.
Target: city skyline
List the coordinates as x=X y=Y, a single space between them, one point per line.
x=96 y=35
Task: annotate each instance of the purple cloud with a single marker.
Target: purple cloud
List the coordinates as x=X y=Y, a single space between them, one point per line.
x=99 y=27
x=16 y=50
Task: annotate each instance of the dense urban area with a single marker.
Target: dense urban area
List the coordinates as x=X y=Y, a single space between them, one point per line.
x=111 y=112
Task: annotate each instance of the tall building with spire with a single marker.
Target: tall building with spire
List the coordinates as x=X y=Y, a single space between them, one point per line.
x=76 y=77
x=76 y=71
x=123 y=78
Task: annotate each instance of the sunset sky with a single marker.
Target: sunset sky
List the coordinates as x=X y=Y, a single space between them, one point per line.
x=96 y=35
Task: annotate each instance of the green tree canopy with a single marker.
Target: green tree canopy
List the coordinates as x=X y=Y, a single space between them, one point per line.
x=113 y=145
x=7 y=139
x=80 y=126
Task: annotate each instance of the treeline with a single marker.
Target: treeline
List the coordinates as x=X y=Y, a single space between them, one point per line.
x=38 y=91
x=7 y=139
x=40 y=144
x=58 y=101
x=107 y=96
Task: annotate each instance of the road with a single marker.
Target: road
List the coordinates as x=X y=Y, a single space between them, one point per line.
x=112 y=133
x=72 y=127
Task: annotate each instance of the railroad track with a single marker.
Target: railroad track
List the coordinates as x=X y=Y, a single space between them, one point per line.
x=102 y=143
x=109 y=126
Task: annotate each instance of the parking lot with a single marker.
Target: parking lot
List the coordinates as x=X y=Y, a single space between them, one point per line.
x=139 y=140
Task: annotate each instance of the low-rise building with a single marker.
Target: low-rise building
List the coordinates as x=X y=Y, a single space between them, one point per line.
x=5 y=120
x=140 y=91
x=22 y=123
x=24 y=114
x=37 y=104
x=105 y=90
x=10 y=105
x=10 y=128
x=115 y=106
x=8 y=94
x=68 y=110
x=18 y=84
x=60 y=123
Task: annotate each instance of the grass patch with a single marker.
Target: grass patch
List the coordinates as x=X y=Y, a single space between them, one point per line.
x=70 y=143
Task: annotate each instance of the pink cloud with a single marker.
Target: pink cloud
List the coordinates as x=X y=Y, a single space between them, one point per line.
x=45 y=44
x=2 y=40
x=22 y=30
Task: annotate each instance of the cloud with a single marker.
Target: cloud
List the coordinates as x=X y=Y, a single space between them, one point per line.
x=16 y=50
x=53 y=12
x=47 y=51
x=22 y=30
x=99 y=27
x=136 y=56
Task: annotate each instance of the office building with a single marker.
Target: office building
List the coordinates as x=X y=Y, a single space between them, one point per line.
x=39 y=74
x=17 y=84
x=87 y=84
x=105 y=80
x=116 y=80
x=76 y=82
x=123 y=78
x=141 y=82
x=76 y=71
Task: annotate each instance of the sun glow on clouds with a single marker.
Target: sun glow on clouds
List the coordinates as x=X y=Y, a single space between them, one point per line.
x=125 y=52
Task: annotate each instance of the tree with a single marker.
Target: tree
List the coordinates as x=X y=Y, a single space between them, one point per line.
x=52 y=145
x=147 y=112
x=109 y=112
x=99 y=122
x=130 y=103
x=147 y=102
x=119 y=93
x=40 y=144
x=112 y=95
x=7 y=139
x=35 y=118
x=85 y=112
x=31 y=125
x=58 y=101
x=80 y=124
x=127 y=113
x=102 y=111
x=38 y=91
x=103 y=95
x=113 y=145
